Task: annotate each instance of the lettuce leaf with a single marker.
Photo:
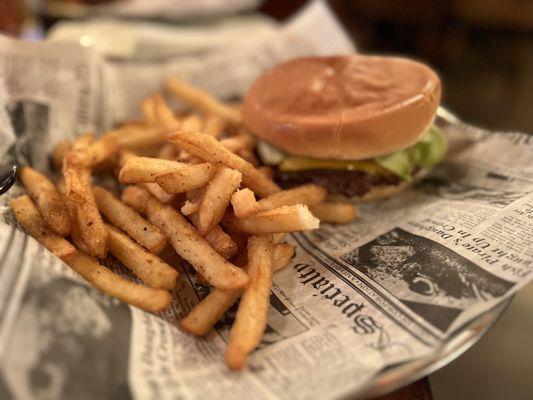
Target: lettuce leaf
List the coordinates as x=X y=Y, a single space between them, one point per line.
x=425 y=153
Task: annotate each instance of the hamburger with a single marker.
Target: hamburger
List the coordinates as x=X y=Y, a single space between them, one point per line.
x=361 y=126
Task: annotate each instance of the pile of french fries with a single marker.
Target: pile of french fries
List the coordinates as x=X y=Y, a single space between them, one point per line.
x=191 y=184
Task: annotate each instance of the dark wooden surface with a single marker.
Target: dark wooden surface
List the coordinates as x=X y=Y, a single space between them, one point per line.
x=419 y=390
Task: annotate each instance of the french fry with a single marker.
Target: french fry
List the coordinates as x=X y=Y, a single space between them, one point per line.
x=29 y=217
x=99 y=151
x=209 y=149
x=187 y=242
x=136 y=197
x=213 y=125
x=149 y=268
x=127 y=219
x=123 y=156
x=244 y=203
x=158 y=192
x=192 y=123
x=283 y=219
x=250 y=321
x=163 y=113
x=203 y=101
x=189 y=207
x=207 y=312
x=59 y=152
x=305 y=194
x=216 y=198
x=334 y=212
x=249 y=156
x=79 y=195
x=138 y=137
x=146 y=169
x=82 y=142
x=186 y=179
x=278 y=237
x=168 y=151
x=75 y=232
x=147 y=298
x=47 y=199
x=221 y=242
x=148 y=110
x=218 y=239
x=267 y=171
x=283 y=253
x=195 y=195
x=236 y=143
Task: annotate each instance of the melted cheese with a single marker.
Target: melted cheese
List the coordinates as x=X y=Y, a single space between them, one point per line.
x=295 y=163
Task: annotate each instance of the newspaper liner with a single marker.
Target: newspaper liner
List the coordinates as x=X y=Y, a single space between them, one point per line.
x=391 y=287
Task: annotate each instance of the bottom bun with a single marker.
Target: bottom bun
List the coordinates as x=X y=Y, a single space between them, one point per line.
x=383 y=191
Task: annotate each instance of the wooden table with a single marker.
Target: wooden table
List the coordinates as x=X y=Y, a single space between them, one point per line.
x=419 y=390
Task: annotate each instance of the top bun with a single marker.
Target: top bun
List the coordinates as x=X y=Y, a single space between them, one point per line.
x=344 y=107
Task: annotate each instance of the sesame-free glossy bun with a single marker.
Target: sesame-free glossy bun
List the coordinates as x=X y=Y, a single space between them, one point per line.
x=343 y=107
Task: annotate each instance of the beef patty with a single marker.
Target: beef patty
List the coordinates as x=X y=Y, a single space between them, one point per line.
x=343 y=182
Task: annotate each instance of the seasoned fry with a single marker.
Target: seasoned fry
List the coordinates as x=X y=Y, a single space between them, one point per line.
x=163 y=113
x=187 y=242
x=29 y=217
x=59 y=152
x=82 y=142
x=189 y=178
x=203 y=101
x=192 y=123
x=189 y=208
x=278 y=237
x=148 y=110
x=147 y=298
x=168 y=151
x=250 y=321
x=127 y=219
x=123 y=156
x=305 y=194
x=244 y=203
x=207 y=312
x=136 y=197
x=138 y=137
x=267 y=171
x=213 y=125
x=79 y=194
x=249 y=156
x=149 y=268
x=216 y=198
x=75 y=232
x=334 y=212
x=283 y=219
x=237 y=143
x=146 y=169
x=99 y=151
x=221 y=242
x=283 y=253
x=209 y=149
x=218 y=239
x=158 y=192
x=47 y=199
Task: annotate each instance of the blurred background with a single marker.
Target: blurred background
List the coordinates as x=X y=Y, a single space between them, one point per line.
x=483 y=50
